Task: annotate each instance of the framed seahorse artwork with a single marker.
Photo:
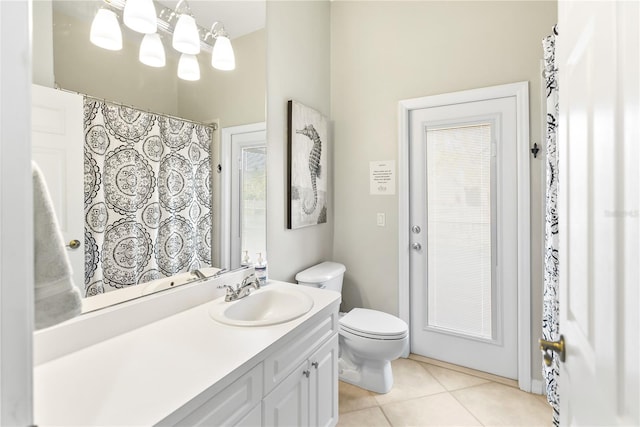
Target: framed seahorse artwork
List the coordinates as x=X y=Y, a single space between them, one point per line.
x=307 y=166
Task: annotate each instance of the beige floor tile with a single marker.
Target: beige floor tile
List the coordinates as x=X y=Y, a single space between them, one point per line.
x=452 y=380
x=436 y=410
x=499 y=405
x=371 y=417
x=352 y=398
x=410 y=380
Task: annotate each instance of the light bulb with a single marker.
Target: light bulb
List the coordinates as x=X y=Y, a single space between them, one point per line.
x=188 y=67
x=105 y=30
x=140 y=16
x=222 y=57
x=186 y=38
x=152 y=51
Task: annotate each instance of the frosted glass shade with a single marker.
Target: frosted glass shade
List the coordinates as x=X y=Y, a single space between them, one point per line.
x=105 y=30
x=152 y=51
x=185 y=36
x=188 y=67
x=140 y=16
x=222 y=57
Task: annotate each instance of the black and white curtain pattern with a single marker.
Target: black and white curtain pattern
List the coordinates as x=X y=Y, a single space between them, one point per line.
x=550 y=321
x=147 y=196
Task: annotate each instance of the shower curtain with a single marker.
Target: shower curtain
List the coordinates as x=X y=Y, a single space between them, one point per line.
x=550 y=325
x=147 y=196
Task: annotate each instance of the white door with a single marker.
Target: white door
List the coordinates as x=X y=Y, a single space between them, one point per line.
x=288 y=404
x=463 y=218
x=599 y=164
x=323 y=398
x=244 y=149
x=57 y=142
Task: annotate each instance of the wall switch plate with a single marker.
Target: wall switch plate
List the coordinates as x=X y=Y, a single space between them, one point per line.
x=380 y=219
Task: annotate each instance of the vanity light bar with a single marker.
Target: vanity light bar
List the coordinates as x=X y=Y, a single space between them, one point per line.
x=164 y=17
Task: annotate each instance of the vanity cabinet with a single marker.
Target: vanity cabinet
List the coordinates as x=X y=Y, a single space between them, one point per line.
x=238 y=405
x=220 y=375
x=307 y=397
x=295 y=384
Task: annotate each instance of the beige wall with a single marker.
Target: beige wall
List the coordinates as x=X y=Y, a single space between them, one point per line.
x=235 y=97
x=297 y=68
x=383 y=52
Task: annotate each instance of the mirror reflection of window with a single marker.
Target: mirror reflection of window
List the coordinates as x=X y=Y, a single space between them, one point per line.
x=253 y=231
x=247 y=187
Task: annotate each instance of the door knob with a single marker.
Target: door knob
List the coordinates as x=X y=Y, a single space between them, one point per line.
x=416 y=229
x=306 y=373
x=416 y=246
x=315 y=365
x=548 y=347
x=74 y=244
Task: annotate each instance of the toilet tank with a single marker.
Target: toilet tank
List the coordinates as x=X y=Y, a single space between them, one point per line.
x=327 y=275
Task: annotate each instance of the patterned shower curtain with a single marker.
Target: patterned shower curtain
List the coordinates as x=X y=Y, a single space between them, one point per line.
x=147 y=196
x=550 y=324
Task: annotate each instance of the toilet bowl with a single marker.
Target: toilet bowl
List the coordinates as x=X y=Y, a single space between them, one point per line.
x=369 y=339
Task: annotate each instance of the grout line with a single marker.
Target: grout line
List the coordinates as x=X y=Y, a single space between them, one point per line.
x=467 y=409
x=484 y=375
x=384 y=414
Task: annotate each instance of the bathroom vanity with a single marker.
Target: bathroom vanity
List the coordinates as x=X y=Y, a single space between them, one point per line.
x=188 y=369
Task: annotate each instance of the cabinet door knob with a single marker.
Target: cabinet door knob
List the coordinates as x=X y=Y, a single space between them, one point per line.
x=315 y=365
x=306 y=373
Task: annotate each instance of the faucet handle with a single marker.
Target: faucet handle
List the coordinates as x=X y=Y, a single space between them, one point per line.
x=247 y=279
x=232 y=292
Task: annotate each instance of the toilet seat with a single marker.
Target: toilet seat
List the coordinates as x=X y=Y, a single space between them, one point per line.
x=373 y=324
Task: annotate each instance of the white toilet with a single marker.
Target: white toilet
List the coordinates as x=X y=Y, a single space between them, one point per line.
x=369 y=339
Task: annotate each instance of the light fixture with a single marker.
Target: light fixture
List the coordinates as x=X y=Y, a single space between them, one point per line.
x=178 y=23
x=152 y=51
x=186 y=38
x=188 y=67
x=222 y=57
x=105 y=30
x=140 y=16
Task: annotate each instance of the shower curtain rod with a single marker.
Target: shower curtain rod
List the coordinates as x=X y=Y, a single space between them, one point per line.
x=214 y=125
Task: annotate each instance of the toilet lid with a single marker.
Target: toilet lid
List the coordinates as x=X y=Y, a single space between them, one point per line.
x=373 y=323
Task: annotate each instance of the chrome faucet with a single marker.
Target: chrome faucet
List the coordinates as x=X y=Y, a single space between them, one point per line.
x=240 y=290
x=248 y=283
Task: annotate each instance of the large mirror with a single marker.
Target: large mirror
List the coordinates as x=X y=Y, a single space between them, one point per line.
x=221 y=110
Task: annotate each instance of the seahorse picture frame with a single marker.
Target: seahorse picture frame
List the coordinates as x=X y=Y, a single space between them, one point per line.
x=307 y=166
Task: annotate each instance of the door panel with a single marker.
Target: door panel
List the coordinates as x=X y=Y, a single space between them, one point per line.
x=57 y=147
x=463 y=266
x=598 y=212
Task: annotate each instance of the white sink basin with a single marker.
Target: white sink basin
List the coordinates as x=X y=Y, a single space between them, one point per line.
x=266 y=306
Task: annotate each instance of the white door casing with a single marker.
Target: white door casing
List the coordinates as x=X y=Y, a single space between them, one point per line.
x=599 y=184
x=232 y=139
x=16 y=213
x=57 y=147
x=522 y=257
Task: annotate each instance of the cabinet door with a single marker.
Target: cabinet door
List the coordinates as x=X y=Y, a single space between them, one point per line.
x=288 y=403
x=323 y=396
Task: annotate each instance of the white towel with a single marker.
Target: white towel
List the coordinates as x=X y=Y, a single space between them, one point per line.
x=56 y=297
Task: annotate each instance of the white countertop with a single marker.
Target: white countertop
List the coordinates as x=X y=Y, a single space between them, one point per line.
x=142 y=376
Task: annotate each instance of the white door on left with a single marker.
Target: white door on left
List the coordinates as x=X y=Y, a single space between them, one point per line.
x=57 y=137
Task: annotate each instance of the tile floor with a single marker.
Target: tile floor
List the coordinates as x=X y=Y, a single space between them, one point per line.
x=427 y=395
